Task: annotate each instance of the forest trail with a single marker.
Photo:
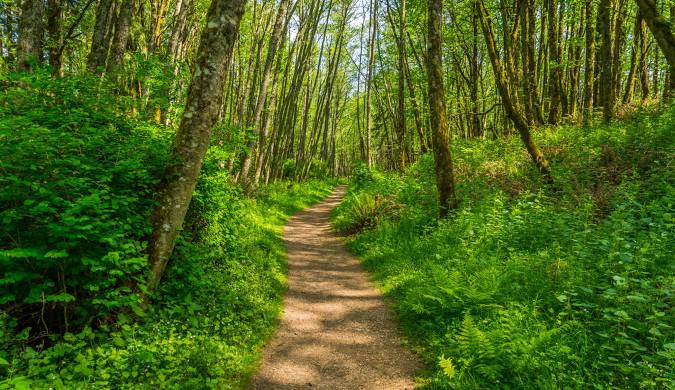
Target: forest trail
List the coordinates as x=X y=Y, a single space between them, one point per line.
x=336 y=331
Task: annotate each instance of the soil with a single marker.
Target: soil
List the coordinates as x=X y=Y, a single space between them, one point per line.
x=336 y=331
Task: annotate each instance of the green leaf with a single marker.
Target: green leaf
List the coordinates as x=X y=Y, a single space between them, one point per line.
x=55 y=254
x=447 y=366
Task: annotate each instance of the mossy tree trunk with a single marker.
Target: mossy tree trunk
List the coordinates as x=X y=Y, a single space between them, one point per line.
x=31 y=32
x=445 y=181
x=205 y=98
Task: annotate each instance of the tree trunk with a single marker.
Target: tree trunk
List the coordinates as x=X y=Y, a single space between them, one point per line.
x=634 y=54
x=369 y=81
x=400 y=128
x=159 y=8
x=554 y=63
x=100 y=41
x=662 y=31
x=31 y=32
x=121 y=38
x=445 y=181
x=202 y=107
x=55 y=30
x=510 y=105
x=606 y=71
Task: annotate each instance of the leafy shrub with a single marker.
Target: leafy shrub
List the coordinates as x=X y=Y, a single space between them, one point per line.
x=76 y=189
x=364 y=211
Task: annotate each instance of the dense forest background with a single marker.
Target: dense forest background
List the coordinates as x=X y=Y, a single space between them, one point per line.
x=510 y=180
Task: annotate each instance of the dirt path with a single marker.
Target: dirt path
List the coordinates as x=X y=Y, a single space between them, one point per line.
x=336 y=331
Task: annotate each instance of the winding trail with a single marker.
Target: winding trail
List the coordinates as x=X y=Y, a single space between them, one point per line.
x=336 y=331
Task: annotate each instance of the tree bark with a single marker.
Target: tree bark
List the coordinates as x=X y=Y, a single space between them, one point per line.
x=121 y=38
x=55 y=30
x=445 y=181
x=100 y=41
x=202 y=108
x=31 y=32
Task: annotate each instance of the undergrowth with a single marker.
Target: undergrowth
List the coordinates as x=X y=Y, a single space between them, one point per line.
x=524 y=287
x=77 y=180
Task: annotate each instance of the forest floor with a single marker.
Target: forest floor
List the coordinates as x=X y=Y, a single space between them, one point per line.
x=336 y=331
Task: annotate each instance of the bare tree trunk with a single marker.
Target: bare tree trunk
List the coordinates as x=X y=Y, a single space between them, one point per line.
x=31 y=32
x=203 y=104
x=445 y=181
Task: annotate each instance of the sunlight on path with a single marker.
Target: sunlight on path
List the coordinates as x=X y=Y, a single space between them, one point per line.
x=336 y=331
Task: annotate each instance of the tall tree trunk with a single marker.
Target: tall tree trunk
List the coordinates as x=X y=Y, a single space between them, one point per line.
x=662 y=31
x=159 y=8
x=590 y=61
x=31 y=34
x=445 y=181
x=642 y=62
x=202 y=107
x=606 y=71
x=100 y=41
x=400 y=128
x=618 y=47
x=369 y=81
x=510 y=104
x=554 y=63
x=55 y=30
x=634 y=55
x=121 y=38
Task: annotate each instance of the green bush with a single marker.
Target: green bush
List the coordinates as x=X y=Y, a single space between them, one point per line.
x=77 y=182
x=527 y=289
x=364 y=211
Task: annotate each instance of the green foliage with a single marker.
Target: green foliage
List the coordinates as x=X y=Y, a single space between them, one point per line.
x=77 y=185
x=525 y=289
x=364 y=211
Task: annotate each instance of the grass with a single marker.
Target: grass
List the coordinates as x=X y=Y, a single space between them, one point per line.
x=527 y=288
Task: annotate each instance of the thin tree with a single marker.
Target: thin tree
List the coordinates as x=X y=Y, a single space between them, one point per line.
x=445 y=181
x=606 y=73
x=369 y=81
